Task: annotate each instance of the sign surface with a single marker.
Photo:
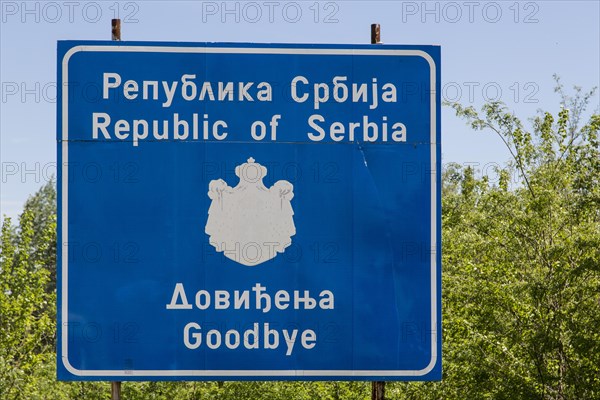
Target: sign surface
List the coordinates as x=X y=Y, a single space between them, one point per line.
x=237 y=211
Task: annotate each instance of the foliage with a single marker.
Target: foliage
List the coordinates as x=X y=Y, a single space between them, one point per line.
x=27 y=308
x=42 y=209
x=521 y=281
x=521 y=261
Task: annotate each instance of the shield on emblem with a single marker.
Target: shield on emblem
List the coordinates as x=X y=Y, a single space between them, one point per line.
x=250 y=223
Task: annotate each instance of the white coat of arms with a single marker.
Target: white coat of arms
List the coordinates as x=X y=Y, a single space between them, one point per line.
x=250 y=223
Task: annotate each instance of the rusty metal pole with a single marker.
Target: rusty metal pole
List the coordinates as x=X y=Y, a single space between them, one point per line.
x=377 y=387
x=115 y=390
x=116 y=29
x=115 y=387
x=375 y=34
x=378 y=390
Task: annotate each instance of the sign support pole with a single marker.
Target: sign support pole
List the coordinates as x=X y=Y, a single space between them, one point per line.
x=116 y=29
x=377 y=387
x=115 y=387
x=115 y=390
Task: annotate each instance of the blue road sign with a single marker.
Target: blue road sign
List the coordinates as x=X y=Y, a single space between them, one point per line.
x=248 y=211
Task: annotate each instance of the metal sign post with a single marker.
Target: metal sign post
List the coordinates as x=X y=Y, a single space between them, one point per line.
x=115 y=386
x=377 y=387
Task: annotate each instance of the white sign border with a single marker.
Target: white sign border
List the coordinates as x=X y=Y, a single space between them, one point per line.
x=244 y=373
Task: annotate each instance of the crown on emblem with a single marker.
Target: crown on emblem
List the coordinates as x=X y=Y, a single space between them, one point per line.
x=251 y=171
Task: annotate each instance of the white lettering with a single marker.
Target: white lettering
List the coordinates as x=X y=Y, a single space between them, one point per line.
x=111 y=80
x=179 y=293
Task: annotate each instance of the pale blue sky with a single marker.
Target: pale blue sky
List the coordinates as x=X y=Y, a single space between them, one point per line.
x=504 y=49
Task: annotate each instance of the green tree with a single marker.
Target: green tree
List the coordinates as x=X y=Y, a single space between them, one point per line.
x=521 y=261
x=42 y=208
x=521 y=281
x=27 y=309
